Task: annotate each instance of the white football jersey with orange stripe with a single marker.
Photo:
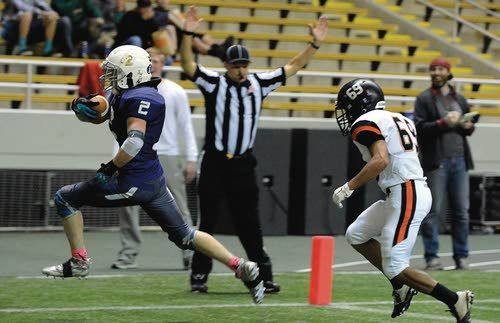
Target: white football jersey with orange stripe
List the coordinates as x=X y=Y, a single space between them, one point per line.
x=401 y=138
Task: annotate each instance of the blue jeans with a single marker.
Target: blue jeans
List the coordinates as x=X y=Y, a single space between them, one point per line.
x=452 y=180
x=133 y=40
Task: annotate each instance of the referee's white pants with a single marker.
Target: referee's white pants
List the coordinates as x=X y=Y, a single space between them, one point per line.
x=394 y=222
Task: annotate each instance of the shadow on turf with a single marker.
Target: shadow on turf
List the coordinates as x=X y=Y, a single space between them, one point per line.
x=152 y=270
x=220 y=293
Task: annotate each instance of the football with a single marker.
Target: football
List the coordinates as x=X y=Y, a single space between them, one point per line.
x=102 y=109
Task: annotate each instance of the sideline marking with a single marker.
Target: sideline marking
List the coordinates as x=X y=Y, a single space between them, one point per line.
x=347 y=264
x=476 y=264
x=446 y=254
x=348 y=306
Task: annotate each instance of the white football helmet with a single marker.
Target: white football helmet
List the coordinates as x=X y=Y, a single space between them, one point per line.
x=125 y=67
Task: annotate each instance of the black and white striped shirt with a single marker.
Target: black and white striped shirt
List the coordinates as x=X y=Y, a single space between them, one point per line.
x=233 y=109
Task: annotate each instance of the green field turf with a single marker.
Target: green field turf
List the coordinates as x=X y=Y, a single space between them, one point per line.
x=165 y=298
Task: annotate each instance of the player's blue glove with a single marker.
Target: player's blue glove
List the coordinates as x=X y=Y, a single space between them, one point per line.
x=105 y=173
x=82 y=107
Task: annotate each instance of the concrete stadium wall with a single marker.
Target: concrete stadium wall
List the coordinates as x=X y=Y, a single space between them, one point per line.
x=297 y=152
x=40 y=139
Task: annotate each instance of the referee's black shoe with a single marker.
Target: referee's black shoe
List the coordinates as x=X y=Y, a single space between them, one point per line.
x=199 y=283
x=271 y=287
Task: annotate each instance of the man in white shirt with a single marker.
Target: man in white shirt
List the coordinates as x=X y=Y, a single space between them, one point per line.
x=177 y=124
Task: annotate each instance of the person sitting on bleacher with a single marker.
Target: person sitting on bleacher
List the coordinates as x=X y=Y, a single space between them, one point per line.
x=83 y=18
x=113 y=12
x=137 y=26
x=202 y=43
x=25 y=21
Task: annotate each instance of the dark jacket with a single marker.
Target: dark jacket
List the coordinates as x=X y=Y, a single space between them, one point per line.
x=132 y=24
x=430 y=127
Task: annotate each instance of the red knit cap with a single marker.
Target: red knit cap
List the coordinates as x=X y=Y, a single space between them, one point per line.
x=440 y=62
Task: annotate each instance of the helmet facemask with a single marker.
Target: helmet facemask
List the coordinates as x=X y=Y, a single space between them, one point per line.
x=343 y=120
x=111 y=75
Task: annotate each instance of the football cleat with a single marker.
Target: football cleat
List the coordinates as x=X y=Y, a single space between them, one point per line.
x=271 y=287
x=122 y=264
x=402 y=300
x=199 y=283
x=71 y=268
x=248 y=272
x=434 y=264
x=461 y=309
x=199 y=288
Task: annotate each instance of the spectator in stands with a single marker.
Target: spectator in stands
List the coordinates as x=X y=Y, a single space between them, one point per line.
x=446 y=157
x=28 y=22
x=233 y=102
x=112 y=12
x=179 y=170
x=202 y=43
x=83 y=18
x=137 y=26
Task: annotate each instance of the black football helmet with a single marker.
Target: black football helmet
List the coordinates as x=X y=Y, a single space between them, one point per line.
x=355 y=98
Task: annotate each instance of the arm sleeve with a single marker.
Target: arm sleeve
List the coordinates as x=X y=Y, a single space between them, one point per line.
x=185 y=125
x=270 y=81
x=366 y=133
x=205 y=79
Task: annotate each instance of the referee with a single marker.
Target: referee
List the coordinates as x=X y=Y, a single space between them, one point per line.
x=233 y=103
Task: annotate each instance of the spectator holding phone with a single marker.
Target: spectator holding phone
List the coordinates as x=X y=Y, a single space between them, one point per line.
x=443 y=121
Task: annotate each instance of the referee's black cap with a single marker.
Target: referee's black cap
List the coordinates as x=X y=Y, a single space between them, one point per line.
x=237 y=54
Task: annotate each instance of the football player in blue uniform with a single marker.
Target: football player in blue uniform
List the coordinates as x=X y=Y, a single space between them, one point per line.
x=134 y=176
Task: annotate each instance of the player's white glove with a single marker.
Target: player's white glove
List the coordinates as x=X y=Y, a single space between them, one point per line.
x=341 y=194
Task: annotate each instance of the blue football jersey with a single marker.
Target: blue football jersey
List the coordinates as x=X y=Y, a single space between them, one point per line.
x=143 y=102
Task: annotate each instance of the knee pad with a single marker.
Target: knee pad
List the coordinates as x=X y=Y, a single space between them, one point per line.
x=64 y=209
x=348 y=235
x=392 y=270
x=184 y=241
x=352 y=237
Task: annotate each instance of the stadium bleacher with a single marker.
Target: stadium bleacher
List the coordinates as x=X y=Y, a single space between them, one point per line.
x=51 y=149
x=357 y=43
x=481 y=14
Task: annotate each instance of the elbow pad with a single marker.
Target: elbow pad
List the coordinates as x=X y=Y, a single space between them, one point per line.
x=134 y=142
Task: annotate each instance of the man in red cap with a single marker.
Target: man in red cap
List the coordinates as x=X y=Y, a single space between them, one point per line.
x=442 y=127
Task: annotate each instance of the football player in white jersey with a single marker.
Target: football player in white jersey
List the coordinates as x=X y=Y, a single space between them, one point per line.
x=386 y=231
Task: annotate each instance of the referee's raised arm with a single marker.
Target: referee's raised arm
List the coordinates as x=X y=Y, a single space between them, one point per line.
x=318 y=32
x=191 y=23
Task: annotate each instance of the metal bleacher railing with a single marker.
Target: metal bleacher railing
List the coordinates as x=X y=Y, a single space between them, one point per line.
x=490 y=105
x=488 y=16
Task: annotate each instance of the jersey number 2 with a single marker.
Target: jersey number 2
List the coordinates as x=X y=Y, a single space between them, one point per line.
x=143 y=107
x=407 y=132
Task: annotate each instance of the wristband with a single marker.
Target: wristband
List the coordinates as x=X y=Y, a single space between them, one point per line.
x=109 y=169
x=313 y=45
x=189 y=33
